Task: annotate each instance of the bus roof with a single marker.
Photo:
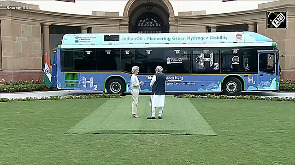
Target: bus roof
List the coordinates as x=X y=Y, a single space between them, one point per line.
x=108 y=39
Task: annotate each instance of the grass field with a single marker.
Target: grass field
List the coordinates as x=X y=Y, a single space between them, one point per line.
x=90 y=131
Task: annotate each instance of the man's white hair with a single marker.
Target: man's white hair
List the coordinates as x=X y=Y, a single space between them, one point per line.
x=159 y=69
x=134 y=68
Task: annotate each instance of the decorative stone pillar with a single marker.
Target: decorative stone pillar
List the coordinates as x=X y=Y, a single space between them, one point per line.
x=252 y=27
x=0 y=48
x=173 y=25
x=7 y=56
x=84 y=29
x=213 y=28
x=46 y=41
x=123 y=25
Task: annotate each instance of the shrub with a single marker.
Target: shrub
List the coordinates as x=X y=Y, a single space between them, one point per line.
x=287 y=85
x=22 y=86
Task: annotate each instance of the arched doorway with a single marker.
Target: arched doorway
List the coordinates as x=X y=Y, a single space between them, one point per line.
x=149 y=23
x=148 y=16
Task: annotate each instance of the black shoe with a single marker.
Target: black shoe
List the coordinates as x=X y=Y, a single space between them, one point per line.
x=160 y=117
x=151 y=118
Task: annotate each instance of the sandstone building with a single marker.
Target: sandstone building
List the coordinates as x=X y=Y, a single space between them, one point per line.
x=27 y=32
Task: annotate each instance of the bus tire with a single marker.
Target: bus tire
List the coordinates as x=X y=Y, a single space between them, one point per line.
x=115 y=86
x=232 y=86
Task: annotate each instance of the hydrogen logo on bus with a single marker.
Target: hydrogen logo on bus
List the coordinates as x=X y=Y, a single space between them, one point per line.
x=277 y=19
x=84 y=82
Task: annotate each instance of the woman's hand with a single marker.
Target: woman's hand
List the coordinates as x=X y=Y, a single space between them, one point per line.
x=141 y=83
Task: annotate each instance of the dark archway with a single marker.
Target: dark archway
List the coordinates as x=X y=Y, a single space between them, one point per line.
x=149 y=18
x=149 y=23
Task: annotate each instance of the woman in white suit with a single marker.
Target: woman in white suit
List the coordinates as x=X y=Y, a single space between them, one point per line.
x=135 y=88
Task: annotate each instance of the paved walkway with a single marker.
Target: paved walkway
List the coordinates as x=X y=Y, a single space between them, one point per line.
x=271 y=94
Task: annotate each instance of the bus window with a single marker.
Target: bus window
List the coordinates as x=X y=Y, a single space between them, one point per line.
x=206 y=61
x=84 y=60
x=145 y=59
x=67 y=60
x=127 y=59
x=246 y=62
x=270 y=61
x=186 y=60
x=249 y=60
x=232 y=61
x=238 y=61
x=177 y=60
x=267 y=62
x=107 y=59
x=241 y=60
x=152 y=58
x=226 y=63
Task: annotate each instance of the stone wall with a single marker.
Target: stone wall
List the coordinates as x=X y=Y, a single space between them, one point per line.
x=285 y=38
x=22 y=45
x=288 y=58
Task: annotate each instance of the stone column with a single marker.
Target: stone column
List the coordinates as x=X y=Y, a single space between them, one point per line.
x=7 y=56
x=0 y=48
x=252 y=27
x=84 y=29
x=173 y=25
x=123 y=25
x=46 y=41
x=213 y=28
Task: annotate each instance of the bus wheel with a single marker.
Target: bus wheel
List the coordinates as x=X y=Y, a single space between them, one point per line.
x=115 y=86
x=232 y=86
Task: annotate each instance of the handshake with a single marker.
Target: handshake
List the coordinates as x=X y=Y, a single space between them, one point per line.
x=141 y=83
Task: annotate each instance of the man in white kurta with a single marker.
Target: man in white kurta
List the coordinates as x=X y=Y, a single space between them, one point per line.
x=158 y=92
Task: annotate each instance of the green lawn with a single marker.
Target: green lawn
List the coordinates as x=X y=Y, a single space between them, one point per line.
x=225 y=132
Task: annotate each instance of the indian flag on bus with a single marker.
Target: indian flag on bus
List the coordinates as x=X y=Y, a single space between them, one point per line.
x=47 y=74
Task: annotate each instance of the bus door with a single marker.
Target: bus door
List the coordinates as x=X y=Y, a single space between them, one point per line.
x=267 y=73
x=54 y=70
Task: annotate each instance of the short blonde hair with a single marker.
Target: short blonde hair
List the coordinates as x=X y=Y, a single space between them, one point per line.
x=159 y=69
x=134 y=68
